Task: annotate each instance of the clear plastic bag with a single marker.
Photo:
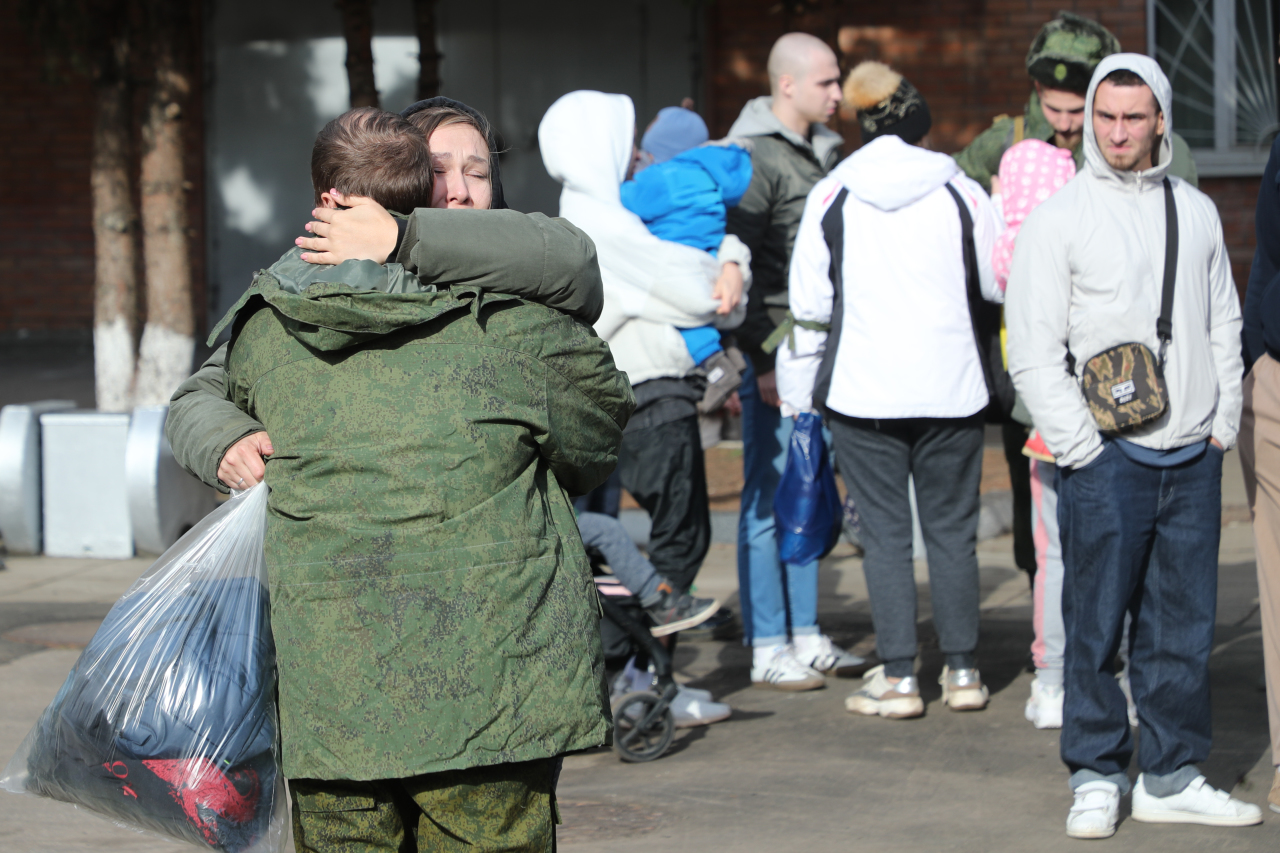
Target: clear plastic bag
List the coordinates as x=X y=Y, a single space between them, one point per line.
x=167 y=722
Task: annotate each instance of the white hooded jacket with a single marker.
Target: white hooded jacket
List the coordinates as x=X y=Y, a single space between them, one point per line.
x=904 y=341
x=652 y=287
x=1087 y=275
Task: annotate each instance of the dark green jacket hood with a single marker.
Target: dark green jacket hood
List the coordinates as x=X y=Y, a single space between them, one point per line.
x=331 y=308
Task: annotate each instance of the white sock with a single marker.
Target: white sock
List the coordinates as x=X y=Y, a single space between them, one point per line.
x=761 y=656
x=806 y=644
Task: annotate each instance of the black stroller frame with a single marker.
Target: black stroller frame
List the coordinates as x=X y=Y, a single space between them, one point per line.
x=643 y=725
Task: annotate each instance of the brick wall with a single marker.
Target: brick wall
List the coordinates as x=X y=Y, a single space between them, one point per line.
x=46 y=229
x=968 y=58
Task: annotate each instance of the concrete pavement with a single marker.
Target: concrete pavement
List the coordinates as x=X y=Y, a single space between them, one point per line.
x=787 y=771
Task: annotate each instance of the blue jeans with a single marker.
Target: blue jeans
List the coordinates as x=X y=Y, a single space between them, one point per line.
x=1144 y=540
x=771 y=594
x=606 y=534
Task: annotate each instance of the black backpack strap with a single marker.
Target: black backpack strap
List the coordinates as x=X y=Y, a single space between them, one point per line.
x=1164 y=325
x=833 y=233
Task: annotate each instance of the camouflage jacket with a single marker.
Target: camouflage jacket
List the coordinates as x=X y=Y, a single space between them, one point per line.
x=431 y=601
x=980 y=160
x=544 y=260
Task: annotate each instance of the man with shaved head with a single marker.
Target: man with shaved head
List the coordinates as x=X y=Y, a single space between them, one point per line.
x=792 y=150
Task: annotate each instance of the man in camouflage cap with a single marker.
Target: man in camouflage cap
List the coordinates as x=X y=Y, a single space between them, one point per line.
x=1060 y=63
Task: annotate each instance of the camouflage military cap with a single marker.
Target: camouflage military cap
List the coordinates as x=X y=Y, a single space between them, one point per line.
x=1067 y=49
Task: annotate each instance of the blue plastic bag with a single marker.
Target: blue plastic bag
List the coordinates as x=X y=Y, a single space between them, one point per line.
x=806 y=504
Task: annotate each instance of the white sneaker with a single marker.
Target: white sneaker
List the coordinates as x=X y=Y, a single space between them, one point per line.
x=1094 y=813
x=963 y=690
x=1044 y=708
x=817 y=652
x=1199 y=802
x=777 y=667
x=880 y=697
x=690 y=710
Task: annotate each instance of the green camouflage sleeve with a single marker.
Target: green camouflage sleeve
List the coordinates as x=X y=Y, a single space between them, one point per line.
x=589 y=402
x=203 y=422
x=980 y=160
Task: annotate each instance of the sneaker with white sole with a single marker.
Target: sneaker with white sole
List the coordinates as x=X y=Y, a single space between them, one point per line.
x=778 y=668
x=1199 y=802
x=880 y=697
x=817 y=652
x=690 y=710
x=1095 y=810
x=1044 y=708
x=963 y=690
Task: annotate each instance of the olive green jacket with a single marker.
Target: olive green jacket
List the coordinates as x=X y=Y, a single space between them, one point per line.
x=980 y=160
x=431 y=601
x=542 y=259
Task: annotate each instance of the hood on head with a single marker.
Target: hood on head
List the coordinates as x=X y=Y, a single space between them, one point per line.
x=889 y=173
x=499 y=201
x=1146 y=68
x=586 y=140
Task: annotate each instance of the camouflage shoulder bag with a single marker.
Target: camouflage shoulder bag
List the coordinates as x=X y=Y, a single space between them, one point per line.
x=1124 y=386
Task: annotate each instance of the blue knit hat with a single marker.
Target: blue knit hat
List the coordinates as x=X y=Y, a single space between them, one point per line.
x=673 y=131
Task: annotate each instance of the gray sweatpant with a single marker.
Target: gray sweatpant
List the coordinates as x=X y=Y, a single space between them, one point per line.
x=944 y=456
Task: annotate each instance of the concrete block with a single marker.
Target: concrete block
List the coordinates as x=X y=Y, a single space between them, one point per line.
x=164 y=500
x=20 y=487
x=86 y=506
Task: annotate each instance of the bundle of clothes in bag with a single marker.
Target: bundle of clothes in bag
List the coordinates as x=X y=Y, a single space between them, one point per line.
x=167 y=722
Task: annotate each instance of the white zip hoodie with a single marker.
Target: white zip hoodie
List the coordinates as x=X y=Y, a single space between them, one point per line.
x=904 y=341
x=651 y=286
x=1087 y=275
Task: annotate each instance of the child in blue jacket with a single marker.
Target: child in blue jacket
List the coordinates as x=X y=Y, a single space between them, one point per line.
x=683 y=197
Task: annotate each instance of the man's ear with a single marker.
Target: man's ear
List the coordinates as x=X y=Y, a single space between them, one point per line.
x=1159 y=122
x=786 y=86
x=326 y=200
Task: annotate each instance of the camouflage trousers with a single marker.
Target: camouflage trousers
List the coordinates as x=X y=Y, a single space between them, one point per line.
x=503 y=807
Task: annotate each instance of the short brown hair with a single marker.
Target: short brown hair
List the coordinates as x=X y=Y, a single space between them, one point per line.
x=373 y=153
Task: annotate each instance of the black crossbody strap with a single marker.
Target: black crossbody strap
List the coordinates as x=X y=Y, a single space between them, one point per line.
x=833 y=233
x=1164 y=325
x=972 y=286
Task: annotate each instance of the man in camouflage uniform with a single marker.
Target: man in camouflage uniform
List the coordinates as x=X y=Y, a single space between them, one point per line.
x=432 y=605
x=1060 y=63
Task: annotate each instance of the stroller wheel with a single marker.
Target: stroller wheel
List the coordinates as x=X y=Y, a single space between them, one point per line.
x=643 y=726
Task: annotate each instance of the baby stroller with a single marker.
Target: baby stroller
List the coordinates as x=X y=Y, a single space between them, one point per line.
x=643 y=725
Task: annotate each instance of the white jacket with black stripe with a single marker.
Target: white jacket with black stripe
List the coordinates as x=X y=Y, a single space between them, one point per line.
x=902 y=342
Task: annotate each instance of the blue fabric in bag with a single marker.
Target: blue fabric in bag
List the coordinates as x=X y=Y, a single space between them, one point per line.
x=806 y=504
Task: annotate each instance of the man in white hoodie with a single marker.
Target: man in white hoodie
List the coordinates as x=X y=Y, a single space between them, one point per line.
x=1140 y=513
x=893 y=248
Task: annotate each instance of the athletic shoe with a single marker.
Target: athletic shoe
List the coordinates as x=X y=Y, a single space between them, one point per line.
x=817 y=652
x=962 y=689
x=1199 y=802
x=779 y=669
x=631 y=679
x=880 y=697
x=1037 y=449
x=722 y=625
x=1044 y=708
x=1273 y=799
x=676 y=612
x=692 y=710
x=1094 y=813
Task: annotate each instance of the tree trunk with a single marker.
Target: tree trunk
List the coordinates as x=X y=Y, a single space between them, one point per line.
x=115 y=235
x=165 y=354
x=357 y=28
x=429 y=56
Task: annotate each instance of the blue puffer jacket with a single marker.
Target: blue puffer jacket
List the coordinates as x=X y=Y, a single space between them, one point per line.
x=685 y=199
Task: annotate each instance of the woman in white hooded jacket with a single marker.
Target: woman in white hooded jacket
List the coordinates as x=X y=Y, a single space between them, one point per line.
x=652 y=288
